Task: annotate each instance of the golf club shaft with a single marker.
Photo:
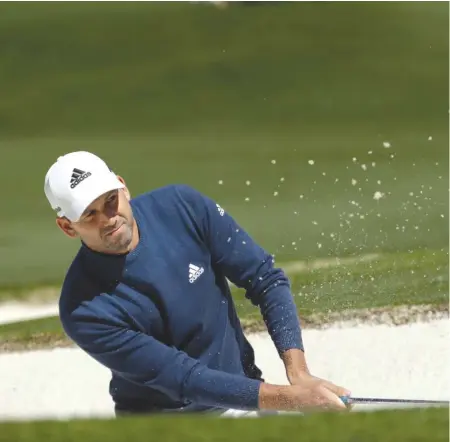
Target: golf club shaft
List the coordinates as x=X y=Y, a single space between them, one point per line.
x=366 y=400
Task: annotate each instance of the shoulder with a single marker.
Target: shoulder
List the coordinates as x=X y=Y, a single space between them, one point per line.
x=74 y=279
x=170 y=191
x=77 y=290
x=171 y=196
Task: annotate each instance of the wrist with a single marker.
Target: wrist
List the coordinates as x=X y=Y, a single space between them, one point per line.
x=295 y=364
x=274 y=397
x=295 y=361
x=298 y=377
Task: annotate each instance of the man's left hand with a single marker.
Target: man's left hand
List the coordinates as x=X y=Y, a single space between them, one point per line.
x=298 y=373
x=306 y=377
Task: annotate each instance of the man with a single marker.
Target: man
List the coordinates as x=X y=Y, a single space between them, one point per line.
x=147 y=296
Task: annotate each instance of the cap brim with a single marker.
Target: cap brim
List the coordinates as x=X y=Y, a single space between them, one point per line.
x=90 y=190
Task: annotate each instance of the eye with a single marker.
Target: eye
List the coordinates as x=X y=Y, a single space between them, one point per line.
x=89 y=215
x=111 y=199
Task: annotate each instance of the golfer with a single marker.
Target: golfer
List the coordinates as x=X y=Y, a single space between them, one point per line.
x=147 y=297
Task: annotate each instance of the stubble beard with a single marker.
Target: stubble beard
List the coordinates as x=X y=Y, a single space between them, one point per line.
x=121 y=241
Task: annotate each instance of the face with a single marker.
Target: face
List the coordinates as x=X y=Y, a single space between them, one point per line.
x=107 y=225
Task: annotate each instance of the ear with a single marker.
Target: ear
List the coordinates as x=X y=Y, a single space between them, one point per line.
x=66 y=226
x=125 y=190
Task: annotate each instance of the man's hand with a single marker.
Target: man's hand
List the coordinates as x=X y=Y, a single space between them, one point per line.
x=304 y=379
x=298 y=373
x=309 y=395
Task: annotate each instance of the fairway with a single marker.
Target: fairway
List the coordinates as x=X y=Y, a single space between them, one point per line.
x=294 y=209
x=319 y=144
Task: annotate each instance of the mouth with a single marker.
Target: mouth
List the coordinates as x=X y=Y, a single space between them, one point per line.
x=112 y=232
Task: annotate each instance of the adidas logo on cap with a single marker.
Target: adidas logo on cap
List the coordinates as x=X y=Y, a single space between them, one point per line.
x=78 y=176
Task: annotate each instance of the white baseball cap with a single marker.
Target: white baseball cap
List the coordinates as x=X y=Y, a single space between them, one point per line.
x=75 y=180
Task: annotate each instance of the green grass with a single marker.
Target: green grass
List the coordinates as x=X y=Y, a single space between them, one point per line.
x=36 y=333
x=160 y=68
x=389 y=280
x=430 y=425
x=176 y=92
x=413 y=214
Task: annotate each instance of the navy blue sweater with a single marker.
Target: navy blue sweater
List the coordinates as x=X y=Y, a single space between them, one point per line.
x=162 y=318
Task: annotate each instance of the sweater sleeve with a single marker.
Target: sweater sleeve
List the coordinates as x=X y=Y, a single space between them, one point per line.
x=250 y=267
x=142 y=359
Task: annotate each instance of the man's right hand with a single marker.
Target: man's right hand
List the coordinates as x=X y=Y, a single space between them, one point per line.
x=311 y=395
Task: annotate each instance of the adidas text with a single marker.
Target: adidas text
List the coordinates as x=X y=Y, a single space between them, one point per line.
x=76 y=179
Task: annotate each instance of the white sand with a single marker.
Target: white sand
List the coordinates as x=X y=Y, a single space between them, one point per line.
x=19 y=311
x=408 y=361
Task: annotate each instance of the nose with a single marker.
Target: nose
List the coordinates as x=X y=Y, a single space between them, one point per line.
x=105 y=219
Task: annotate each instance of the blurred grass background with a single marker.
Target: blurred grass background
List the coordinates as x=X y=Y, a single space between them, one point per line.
x=322 y=127
x=430 y=424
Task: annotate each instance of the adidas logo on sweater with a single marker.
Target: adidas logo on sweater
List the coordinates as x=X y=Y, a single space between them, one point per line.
x=194 y=272
x=78 y=176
